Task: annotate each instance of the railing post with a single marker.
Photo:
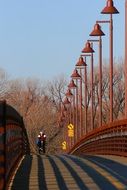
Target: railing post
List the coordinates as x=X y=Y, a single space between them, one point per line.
x=23 y=144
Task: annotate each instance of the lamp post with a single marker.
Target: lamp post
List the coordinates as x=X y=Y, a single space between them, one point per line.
x=126 y=58
x=61 y=116
x=67 y=106
x=88 y=49
x=63 y=121
x=75 y=75
x=110 y=9
x=69 y=95
x=66 y=103
x=81 y=64
x=98 y=32
x=73 y=86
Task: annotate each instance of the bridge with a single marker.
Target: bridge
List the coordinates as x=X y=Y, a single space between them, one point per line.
x=94 y=152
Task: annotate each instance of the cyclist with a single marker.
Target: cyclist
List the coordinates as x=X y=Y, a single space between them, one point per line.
x=41 y=141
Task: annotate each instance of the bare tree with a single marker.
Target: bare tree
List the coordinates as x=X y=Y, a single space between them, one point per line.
x=56 y=90
x=38 y=106
x=4 y=87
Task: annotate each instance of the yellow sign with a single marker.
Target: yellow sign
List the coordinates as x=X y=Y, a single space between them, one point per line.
x=70 y=133
x=70 y=126
x=70 y=130
x=64 y=145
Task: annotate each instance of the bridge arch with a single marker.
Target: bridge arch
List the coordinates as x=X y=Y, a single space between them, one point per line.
x=13 y=141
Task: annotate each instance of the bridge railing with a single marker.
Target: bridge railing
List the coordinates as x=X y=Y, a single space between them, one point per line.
x=13 y=142
x=108 y=139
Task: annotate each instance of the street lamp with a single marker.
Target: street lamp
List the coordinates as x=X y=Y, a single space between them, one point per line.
x=69 y=95
x=63 y=121
x=110 y=9
x=79 y=76
x=88 y=49
x=75 y=75
x=81 y=64
x=73 y=86
x=66 y=103
x=98 y=32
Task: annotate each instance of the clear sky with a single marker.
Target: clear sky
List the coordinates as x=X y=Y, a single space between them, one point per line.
x=44 y=38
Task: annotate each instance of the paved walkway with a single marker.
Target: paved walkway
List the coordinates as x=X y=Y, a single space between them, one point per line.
x=68 y=172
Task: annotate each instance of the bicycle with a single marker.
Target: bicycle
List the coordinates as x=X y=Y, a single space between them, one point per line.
x=41 y=148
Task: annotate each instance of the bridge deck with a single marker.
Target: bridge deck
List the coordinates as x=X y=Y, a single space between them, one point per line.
x=65 y=172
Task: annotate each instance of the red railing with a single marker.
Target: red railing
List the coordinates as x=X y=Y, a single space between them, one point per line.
x=13 y=142
x=108 y=139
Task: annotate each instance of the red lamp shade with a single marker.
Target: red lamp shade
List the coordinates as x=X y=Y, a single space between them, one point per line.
x=72 y=84
x=81 y=63
x=87 y=48
x=66 y=101
x=75 y=75
x=97 y=31
x=109 y=9
x=69 y=93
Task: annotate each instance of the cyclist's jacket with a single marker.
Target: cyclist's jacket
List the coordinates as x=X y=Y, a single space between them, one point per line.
x=43 y=137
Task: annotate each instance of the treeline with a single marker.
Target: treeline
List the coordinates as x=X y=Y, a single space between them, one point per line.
x=39 y=102
x=118 y=92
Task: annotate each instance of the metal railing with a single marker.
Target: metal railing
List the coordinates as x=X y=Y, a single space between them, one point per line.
x=108 y=139
x=13 y=142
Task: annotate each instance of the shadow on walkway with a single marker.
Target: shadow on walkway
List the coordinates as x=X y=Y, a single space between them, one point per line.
x=21 y=180
x=23 y=175
x=41 y=177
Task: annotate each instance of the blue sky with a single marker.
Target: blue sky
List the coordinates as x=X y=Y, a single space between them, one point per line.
x=44 y=38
